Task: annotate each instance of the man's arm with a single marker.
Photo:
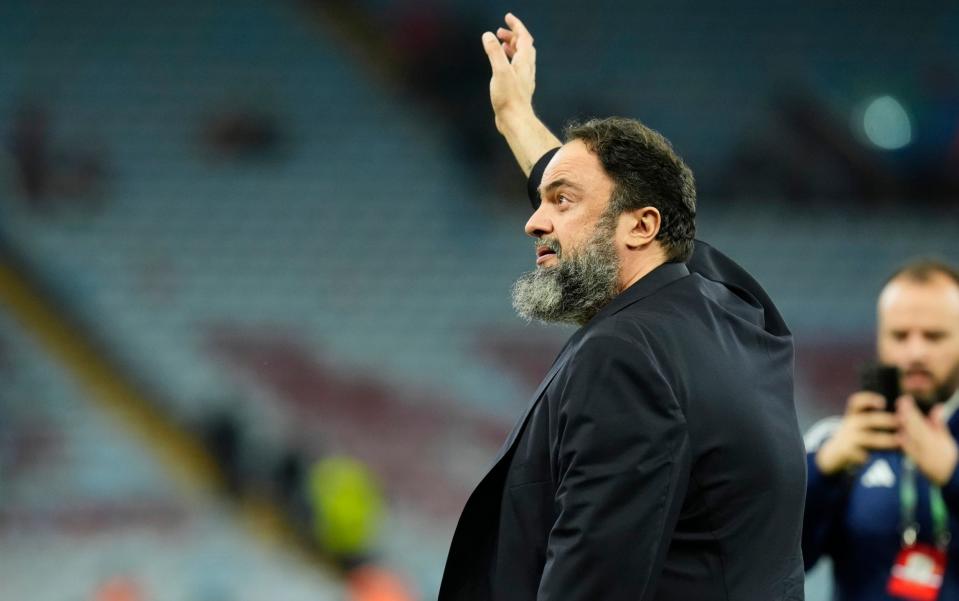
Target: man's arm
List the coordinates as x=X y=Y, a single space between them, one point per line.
x=836 y=449
x=512 y=57
x=825 y=496
x=623 y=461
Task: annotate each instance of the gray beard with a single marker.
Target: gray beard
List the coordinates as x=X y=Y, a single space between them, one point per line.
x=574 y=290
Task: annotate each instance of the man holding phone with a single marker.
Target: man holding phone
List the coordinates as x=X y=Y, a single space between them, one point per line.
x=883 y=488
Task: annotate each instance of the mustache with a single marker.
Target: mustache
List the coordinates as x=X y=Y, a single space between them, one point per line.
x=550 y=243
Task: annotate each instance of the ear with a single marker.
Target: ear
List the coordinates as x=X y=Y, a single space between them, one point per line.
x=643 y=226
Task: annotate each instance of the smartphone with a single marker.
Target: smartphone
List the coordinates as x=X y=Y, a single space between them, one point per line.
x=883 y=380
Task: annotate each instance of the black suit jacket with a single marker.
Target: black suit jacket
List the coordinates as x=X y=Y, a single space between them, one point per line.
x=660 y=458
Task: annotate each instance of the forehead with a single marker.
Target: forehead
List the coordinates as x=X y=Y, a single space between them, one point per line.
x=932 y=304
x=574 y=163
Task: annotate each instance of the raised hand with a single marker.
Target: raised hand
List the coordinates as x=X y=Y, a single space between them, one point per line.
x=927 y=440
x=512 y=57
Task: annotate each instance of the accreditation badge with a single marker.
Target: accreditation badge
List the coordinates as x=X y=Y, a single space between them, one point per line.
x=917 y=573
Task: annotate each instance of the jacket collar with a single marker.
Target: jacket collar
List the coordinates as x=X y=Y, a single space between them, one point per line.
x=951 y=405
x=665 y=274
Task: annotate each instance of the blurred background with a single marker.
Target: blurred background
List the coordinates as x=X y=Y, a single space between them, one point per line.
x=255 y=255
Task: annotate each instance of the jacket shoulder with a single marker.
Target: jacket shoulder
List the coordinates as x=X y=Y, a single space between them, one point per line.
x=625 y=333
x=625 y=339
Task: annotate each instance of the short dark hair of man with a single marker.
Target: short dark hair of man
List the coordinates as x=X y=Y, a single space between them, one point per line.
x=646 y=172
x=923 y=270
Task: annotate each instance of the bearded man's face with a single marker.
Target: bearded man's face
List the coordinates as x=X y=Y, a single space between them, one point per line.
x=919 y=334
x=577 y=265
x=578 y=282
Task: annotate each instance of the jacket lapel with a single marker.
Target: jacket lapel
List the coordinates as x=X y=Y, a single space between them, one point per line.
x=518 y=427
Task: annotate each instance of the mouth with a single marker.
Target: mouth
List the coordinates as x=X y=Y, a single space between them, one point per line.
x=543 y=254
x=916 y=379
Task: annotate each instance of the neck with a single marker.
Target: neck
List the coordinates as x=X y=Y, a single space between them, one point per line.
x=640 y=268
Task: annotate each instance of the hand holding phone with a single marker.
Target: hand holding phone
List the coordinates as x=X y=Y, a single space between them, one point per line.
x=870 y=423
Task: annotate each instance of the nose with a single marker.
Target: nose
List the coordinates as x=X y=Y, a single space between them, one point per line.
x=539 y=224
x=916 y=348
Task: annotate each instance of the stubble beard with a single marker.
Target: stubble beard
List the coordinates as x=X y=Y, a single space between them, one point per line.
x=942 y=392
x=577 y=287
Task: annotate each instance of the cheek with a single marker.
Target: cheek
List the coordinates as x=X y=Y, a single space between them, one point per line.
x=892 y=353
x=570 y=237
x=946 y=358
x=954 y=349
x=884 y=352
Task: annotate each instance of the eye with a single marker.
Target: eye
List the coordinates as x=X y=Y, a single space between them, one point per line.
x=935 y=336
x=562 y=199
x=899 y=335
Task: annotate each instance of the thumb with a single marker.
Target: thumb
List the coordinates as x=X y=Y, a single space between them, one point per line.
x=495 y=52
x=938 y=417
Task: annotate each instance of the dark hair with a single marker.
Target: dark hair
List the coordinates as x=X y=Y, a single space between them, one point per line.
x=923 y=270
x=646 y=172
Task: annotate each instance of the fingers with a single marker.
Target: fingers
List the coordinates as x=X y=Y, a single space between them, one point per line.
x=857 y=456
x=517 y=27
x=515 y=51
x=876 y=430
x=878 y=420
x=508 y=41
x=910 y=446
x=865 y=401
x=914 y=430
x=511 y=41
x=910 y=419
x=518 y=38
x=876 y=440
x=497 y=56
x=938 y=417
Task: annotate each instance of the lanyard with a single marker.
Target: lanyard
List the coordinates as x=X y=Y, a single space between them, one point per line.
x=907 y=502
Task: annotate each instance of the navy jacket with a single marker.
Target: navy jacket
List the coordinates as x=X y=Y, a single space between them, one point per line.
x=659 y=459
x=855 y=518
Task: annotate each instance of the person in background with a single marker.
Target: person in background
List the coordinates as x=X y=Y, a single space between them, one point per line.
x=883 y=489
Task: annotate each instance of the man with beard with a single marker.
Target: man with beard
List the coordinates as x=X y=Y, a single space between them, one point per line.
x=883 y=486
x=660 y=458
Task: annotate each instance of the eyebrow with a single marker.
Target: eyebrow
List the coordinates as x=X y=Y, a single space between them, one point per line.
x=558 y=183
